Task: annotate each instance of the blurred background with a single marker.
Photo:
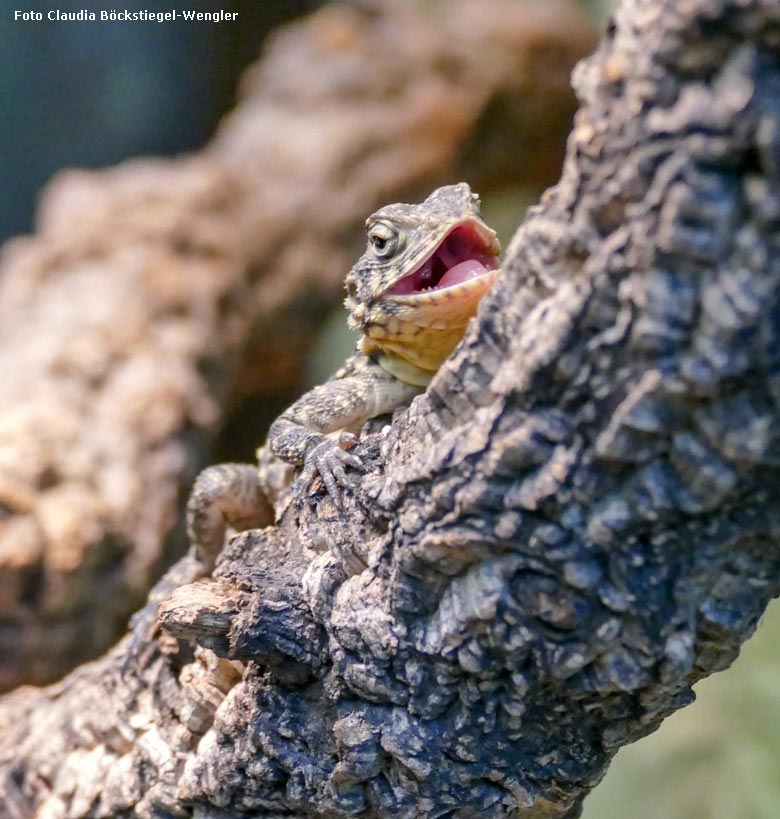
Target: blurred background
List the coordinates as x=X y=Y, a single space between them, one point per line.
x=107 y=91
x=90 y=95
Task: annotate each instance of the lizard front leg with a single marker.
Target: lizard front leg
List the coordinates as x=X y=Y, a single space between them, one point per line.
x=361 y=391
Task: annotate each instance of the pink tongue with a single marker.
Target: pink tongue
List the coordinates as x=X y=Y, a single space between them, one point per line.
x=462 y=272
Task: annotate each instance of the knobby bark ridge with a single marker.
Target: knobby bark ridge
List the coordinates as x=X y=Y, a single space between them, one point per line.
x=575 y=523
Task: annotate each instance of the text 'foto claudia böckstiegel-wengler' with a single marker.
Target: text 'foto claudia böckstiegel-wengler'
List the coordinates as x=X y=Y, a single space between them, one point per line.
x=125 y=15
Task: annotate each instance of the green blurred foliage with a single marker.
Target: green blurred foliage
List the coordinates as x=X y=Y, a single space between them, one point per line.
x=599 y=9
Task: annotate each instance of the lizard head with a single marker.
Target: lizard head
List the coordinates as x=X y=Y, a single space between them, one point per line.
x=422 y=276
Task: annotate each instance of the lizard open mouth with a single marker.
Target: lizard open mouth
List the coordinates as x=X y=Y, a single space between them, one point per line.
x=466 y=252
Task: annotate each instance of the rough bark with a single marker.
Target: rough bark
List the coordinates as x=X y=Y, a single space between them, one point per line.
x=575 y=523
x=156 y=294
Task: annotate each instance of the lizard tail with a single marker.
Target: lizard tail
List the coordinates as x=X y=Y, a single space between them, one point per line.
x=224 y=495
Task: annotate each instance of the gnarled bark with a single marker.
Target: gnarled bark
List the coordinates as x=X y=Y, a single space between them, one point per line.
x=575 y=523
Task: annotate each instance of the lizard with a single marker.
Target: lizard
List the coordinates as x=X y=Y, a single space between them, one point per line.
x=411 y=294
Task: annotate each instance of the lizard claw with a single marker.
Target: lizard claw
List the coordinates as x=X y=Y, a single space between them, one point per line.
x=347 y=439
x=328 y=460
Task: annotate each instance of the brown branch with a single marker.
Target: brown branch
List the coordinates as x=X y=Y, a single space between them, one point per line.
x=157 y=293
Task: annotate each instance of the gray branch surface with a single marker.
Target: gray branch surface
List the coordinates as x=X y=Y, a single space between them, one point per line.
x=575 y=523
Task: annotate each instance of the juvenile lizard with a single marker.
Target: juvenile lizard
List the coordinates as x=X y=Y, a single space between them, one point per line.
x=411 y=295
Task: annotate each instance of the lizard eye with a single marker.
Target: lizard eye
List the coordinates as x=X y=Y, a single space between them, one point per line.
x=384 y=239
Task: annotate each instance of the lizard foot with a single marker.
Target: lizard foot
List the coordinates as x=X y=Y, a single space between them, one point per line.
x=328 y=460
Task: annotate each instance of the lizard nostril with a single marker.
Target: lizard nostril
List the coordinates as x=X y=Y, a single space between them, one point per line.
x=359 y=313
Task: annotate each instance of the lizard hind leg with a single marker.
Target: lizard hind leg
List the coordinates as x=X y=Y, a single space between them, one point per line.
x=225 y=495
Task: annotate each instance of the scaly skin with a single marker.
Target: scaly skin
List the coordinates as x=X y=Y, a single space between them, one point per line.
x=406 y=335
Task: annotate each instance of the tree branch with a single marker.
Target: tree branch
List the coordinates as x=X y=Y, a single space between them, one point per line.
x=573 y=525
x=157 y=294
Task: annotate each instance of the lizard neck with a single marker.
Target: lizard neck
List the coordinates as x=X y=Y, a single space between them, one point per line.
x=402 y=370
x=413 y=362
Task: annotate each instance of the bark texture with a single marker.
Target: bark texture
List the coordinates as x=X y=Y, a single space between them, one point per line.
x=575 y=523
x=156 y=294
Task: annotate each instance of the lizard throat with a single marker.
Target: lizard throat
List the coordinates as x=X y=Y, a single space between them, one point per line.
x=415 y=336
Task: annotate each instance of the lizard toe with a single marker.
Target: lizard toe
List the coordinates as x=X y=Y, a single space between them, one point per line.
x=328 y=460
